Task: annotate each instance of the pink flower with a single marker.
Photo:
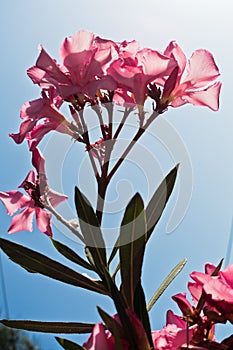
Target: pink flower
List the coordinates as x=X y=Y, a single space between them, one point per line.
x=135 y=69
x=218 y=290
x=173 y=335
x=84 y=63
x=98 y=339
x=196 y=86
x=46 y=109
x=33 y=203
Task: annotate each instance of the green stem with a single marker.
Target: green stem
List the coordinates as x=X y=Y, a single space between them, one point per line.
x=139 y=133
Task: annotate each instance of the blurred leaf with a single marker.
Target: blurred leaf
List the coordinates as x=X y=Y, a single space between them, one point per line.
x=49 y=327
x=113 y=326
x=141 y=310
x=175 y=271
x=159 y=200
x=69 y=345
x=36 y=262
x=91 y=230
x=132 y=245
x=71 y=255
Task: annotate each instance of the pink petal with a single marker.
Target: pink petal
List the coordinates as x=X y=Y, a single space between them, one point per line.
x=124 y=75
x=25 y=127
x=56 y=198
x=173 y=50
x=171 y=318
x=128 y=50
x=22 y=221
x=38 y=76
x=195 y=290
x=227 y=275
x=13 y=201
x=155 y=64
x=183 y=303
x=81 y=41
x=38 y=133
x=103 y=58
x=32 y=108
x=29 y=178
x=202 y=69
x=209 y=268
x=38 y=161
x=97 y=339
x=78 y=63
x=208 y=97
x=43 y=219
x=219 y=291
x=101 y=43
x=170 y=337
x=47 y=64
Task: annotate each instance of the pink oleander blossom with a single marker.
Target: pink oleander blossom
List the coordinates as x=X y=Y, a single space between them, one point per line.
x=173 y=335
x=84 y=63
x=135 y=69
x=196 y=86
x=31 y=204
x=46 y=109
x=218 y=290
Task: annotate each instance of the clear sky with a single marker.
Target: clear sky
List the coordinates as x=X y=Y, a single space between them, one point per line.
x=200 y=139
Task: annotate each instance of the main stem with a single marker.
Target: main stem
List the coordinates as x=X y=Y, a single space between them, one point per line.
x=105 y=178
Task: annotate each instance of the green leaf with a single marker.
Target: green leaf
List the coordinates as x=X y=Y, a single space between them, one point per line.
x=49 y=327
x=132 y=242
x=37 y=262
x=159 y=200
x=141 y=310
x=121 y=310
x=69 y=345
x=114 y=327
x=175 y=271
x=71 y=255
x=91 y=230
x=155 y=207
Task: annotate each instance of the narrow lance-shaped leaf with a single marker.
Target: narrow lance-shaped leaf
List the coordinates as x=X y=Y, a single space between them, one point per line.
x=175 y=271
x=37 y=262
x=159 y=200
x=91 y=230
x=69 y=345
x=132 y=242
x=49 y=327
x=71 y=255
x=155 y=207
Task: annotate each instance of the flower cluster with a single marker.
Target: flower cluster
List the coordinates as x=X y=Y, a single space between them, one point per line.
x=212 y=294
x=96 y=70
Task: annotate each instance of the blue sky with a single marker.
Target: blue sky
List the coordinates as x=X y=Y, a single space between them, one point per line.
x=205 y=136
